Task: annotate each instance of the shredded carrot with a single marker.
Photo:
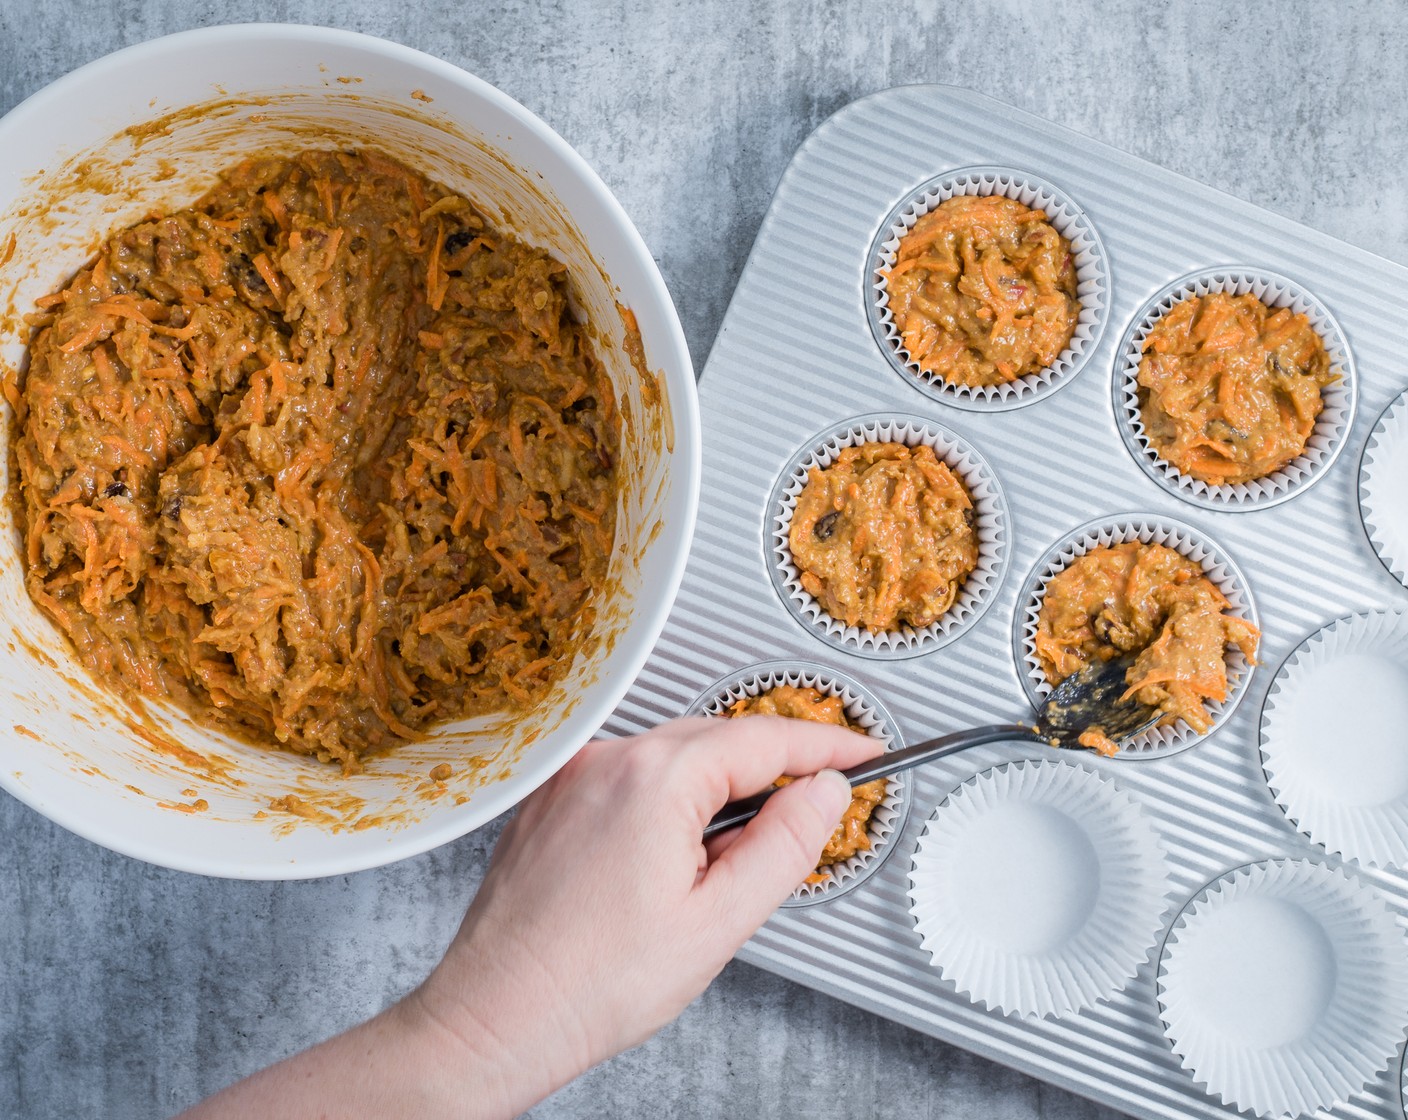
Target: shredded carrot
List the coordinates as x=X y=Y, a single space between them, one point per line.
x=436 y=279
x=266 y=272
x=85 y=337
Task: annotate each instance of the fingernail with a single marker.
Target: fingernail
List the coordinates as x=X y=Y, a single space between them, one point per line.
x=830 y=792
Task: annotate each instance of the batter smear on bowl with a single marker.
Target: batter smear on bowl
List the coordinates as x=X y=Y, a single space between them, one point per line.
x=325 y=459
x=1229 y=389
x=884 y=536
x=983 y=291
x=852 y=835
x=1150 y=600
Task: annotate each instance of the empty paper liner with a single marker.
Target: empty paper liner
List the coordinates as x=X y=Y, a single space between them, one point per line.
x=1334 y=738
x=1383 y=497
x=1283 y=987
x=1038 y=888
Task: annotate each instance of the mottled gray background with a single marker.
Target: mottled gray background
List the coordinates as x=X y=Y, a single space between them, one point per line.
x=129 y=991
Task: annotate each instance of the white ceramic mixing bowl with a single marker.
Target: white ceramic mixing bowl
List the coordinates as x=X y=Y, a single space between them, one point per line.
x=148 y=128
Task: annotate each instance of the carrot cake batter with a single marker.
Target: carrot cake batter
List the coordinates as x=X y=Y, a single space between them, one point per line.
x=324 y=458
x=1154 y=601
x=884 y=537
x=983 y=291
x=1229 y=389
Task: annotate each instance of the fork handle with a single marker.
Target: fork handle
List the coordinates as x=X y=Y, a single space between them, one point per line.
x=745 y=809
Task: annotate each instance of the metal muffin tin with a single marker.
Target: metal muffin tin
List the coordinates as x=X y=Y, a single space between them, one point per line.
x=796 y=355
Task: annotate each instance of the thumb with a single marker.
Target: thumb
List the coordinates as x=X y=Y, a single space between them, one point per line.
x=776 y=850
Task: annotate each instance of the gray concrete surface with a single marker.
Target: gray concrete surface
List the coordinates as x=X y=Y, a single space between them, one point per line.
x=128 y=991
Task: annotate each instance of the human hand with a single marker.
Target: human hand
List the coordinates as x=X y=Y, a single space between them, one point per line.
x=603 y=914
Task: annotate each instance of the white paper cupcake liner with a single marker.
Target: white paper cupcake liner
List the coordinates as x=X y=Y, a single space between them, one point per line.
x=1283 y=987
x=1383 y=498
x=1332 y=738
x=1038 y=888
x=866 y=713
x=1403 y=1082
x=1331 y=428
x=1149 y=529
x=991 y=525
x=1092 y=285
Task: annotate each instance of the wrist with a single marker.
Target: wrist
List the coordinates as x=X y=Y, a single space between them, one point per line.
x=508 y=1033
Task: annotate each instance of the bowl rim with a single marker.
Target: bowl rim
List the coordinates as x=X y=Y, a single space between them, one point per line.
x=594 y=706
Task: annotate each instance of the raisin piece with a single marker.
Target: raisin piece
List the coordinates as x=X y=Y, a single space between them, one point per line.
x=458 y=241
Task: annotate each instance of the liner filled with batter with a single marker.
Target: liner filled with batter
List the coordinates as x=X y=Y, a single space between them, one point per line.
x=983 y=291
x=1229 y=388
x=884 y=536
x=852 y=834
x=1150 y=600
x=324 y=458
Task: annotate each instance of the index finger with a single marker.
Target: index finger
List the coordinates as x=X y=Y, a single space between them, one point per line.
x=738 y=757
